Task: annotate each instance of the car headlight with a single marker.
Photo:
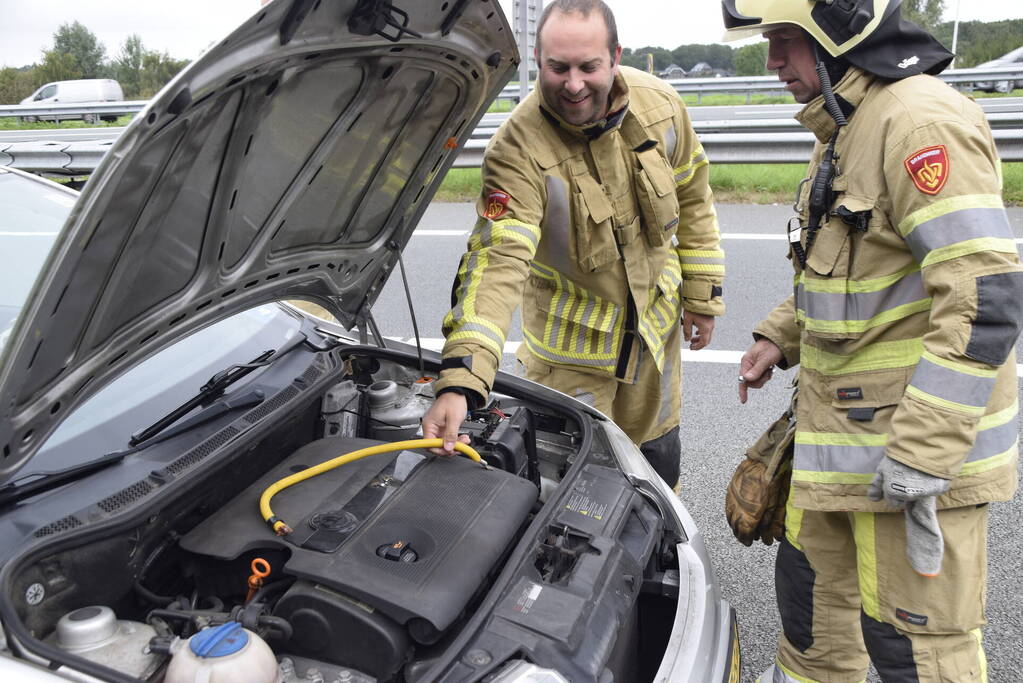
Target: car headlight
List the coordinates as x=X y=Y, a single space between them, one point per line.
x=520 y=671
x=629 y=457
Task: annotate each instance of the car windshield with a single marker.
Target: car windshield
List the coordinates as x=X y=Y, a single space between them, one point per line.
x=32 y=212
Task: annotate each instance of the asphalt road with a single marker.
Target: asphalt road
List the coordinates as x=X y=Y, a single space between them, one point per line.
x=716 y=429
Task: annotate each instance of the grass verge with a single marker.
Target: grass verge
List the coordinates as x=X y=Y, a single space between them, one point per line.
x=732 y=183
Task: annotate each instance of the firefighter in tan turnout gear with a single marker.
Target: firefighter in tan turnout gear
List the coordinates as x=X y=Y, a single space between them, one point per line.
x=597 y=215
x=908 y=301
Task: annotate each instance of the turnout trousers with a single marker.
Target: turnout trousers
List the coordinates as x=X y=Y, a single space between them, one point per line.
x=647 y=410
x=846 y=595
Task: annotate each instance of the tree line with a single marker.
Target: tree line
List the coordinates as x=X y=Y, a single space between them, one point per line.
x=978 y=42
x=78 y=53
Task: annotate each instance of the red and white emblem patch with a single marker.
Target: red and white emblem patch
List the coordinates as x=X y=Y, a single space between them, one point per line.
x=929 y=168
x=497 y=204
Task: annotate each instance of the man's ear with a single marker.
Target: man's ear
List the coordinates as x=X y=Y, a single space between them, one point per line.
x=616 y=58
x=536 y=56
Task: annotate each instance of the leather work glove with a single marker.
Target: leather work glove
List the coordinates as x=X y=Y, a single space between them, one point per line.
x=755 y=502
x=916 y=492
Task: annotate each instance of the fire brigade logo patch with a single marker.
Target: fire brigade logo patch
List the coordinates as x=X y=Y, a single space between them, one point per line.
x=929 y=168
x=497 y=204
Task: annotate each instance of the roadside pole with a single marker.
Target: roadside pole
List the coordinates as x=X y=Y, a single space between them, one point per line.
x=525 y=15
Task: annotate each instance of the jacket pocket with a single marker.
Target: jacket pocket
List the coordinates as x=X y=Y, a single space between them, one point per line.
x=570 y=325
x=829 y=253
x=868 y=396
x=655 y=192
x=593 y=226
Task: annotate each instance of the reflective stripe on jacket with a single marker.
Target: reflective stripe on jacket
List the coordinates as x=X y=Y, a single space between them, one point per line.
x=604 y=233
x=905 y=316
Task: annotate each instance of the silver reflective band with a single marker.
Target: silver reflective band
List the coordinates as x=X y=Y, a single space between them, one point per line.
x=861 y=306
x=949 y=385
x=958 y=226
x=849 y=459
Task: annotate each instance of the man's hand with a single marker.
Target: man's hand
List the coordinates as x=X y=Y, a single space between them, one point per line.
x=757 y=366
x=443 y=419
x=697 y=329
x=902 y=486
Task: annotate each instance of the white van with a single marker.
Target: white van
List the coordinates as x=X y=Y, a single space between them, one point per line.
x=85 y=90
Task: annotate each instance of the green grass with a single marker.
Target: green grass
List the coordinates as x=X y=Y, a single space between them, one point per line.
x=723 y=99
x=732 y=183
x=12 y=123
x=1012 y=183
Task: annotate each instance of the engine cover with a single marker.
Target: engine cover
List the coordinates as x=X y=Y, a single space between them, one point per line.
x=412 y=536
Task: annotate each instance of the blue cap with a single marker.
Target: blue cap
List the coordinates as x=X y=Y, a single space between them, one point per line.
x=219 y=641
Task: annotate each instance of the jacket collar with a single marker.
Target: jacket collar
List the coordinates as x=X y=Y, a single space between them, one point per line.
x=616 y=112
x=849 y=92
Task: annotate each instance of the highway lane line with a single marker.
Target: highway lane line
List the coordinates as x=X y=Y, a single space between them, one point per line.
x=701 y=356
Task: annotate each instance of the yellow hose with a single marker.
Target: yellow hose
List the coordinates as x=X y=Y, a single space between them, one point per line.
x=278 y=525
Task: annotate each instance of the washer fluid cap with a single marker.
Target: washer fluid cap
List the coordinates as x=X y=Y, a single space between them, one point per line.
x=220 y=641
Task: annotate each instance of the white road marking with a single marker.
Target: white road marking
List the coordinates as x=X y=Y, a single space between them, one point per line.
x=701 y=356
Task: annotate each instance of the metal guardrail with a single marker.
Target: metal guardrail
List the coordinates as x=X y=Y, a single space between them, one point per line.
x=770 y=84
x=73 y=110
x=80 y=158
x=761 y=134
x=699 y=86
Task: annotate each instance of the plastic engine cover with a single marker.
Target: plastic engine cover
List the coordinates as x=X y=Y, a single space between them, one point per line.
x=412 y=536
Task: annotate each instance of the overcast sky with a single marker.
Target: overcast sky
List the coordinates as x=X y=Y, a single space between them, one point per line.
x=184 y=27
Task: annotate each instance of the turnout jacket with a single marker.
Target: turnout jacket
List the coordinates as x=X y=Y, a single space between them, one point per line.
x=906 y=314
x=604 y=233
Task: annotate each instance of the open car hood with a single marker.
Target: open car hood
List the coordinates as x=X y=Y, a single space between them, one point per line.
x=292 y=160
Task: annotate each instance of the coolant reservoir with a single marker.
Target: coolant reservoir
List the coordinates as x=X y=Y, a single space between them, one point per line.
x=224 y=654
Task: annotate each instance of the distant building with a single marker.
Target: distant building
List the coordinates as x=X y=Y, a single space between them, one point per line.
x=673 y=71
x=705 y=70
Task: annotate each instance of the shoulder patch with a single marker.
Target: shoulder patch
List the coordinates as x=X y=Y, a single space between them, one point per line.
x=929 y=168
x=497 y=204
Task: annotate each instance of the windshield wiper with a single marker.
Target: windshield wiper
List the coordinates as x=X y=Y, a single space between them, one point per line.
x=214 y=387
x=39 y=482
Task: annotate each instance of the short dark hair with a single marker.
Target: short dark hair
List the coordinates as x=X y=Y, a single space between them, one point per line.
x=583 y=7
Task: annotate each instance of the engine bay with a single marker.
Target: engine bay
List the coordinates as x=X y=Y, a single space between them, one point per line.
x=400 y=566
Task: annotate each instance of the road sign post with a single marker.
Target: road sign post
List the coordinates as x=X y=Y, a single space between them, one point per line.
x=525 y=15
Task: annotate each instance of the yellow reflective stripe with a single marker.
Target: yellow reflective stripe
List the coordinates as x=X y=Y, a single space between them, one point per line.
x=987 y=464
x=944 y=206
x=865 y=533
x=969 y=247
x=943 y=402
x=882 y=318
x=606 y=361
x=792 y=674
x=959 y=367
x=840 y=286
x=976 y=633
x=840 y=439
x=685 y=172
x=793 y=523
x=813 y=477
x=700 y=253
x=998 y=419
x=877 y=356
x=497 y=349
x=703 y=268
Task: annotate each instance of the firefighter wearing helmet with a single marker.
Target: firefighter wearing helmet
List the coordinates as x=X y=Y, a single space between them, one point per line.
x=907 y=302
